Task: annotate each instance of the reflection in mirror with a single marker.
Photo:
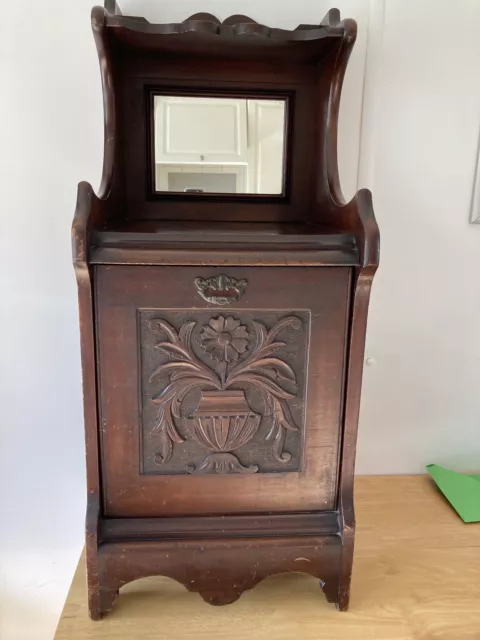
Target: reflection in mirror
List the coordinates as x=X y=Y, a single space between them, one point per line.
x=219 y=145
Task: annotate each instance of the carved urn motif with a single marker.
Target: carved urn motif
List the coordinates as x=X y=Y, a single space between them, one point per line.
x=222 y=423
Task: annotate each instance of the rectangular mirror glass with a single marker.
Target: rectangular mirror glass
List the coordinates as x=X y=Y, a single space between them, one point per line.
x=219 y=145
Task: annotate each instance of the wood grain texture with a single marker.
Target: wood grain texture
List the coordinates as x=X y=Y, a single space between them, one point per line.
x=218 y=527
x=415 y=578
x=205 y=254
x=121 y=292
x=203 y=34
x=205 y=24
x=86 y=209
x=221 y=570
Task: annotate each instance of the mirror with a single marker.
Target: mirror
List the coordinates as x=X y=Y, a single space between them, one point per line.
x=206 y=145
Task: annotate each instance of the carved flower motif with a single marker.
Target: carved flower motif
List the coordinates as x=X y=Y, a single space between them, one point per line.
x=224 y=339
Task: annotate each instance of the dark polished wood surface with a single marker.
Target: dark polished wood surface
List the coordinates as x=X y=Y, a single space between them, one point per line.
x=275 y=244
x=122 y=291
x=222 y=337
x=217 y=527
x=152 y=231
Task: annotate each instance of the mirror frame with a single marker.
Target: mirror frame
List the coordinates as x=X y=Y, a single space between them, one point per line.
x=287 y=96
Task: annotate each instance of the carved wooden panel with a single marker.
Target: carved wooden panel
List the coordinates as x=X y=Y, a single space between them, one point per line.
x=141 y=477
x=222 y=391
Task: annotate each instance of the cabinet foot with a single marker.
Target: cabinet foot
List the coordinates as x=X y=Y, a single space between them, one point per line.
x=101 y=602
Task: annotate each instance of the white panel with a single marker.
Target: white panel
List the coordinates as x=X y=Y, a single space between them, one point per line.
x=200 y=129
x=164 y=182
x=266 y=134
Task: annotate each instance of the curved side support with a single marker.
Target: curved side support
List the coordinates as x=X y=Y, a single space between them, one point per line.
x=358 y=216
x=87 y=210
x=98 y=17
x=90 y=212
x=361 y=296
x=333 y=107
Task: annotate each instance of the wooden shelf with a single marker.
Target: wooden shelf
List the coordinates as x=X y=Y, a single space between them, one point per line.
x=157 y=242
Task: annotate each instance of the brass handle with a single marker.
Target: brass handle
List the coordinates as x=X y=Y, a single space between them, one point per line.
x=220 y=289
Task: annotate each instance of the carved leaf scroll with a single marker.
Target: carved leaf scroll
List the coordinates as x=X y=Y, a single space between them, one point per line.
x=186 y=373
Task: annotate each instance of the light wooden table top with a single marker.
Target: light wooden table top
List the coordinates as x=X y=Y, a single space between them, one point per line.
x=416 y=576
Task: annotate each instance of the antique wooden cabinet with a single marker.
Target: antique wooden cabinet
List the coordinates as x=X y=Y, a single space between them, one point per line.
x=223 y=289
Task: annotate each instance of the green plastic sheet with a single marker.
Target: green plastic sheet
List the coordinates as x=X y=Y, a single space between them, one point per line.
x=461 y=490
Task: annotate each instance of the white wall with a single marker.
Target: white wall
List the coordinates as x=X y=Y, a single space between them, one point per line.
x=51 y=137
x=421 y=125
x=420 y=399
